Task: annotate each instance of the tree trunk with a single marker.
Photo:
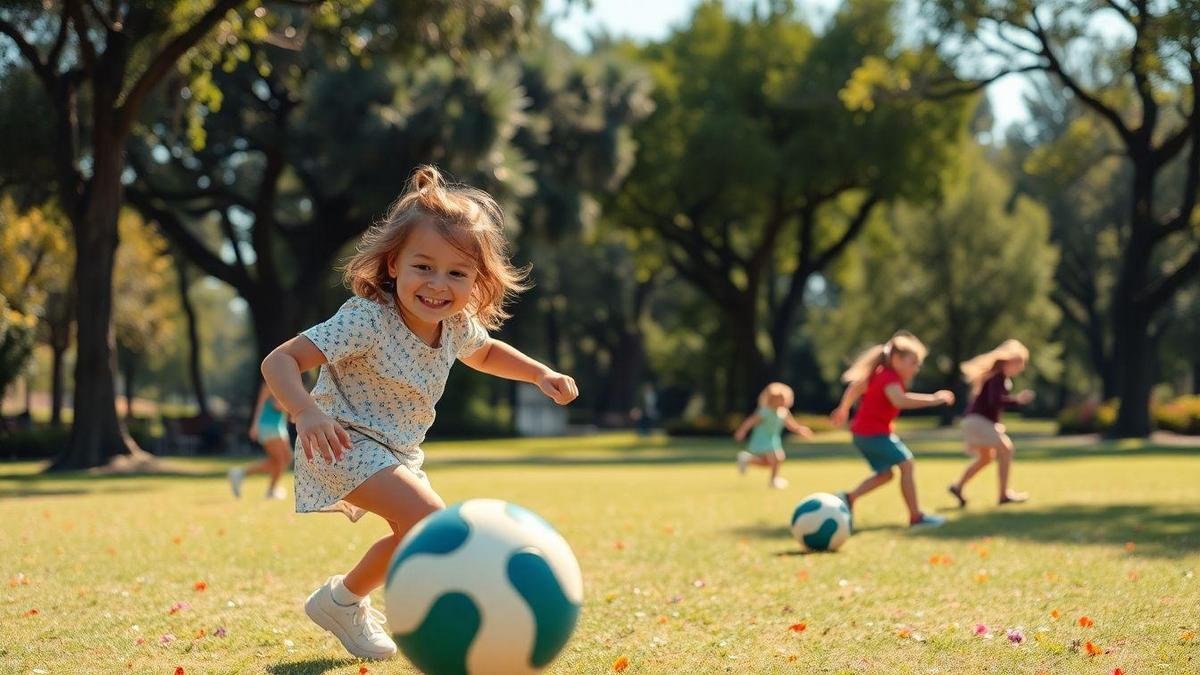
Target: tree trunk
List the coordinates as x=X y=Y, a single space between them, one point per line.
x=97 y=434
x=193 y=334
x=130 y=371
x=1131 y=316
x=56 y=384
x=750 y=370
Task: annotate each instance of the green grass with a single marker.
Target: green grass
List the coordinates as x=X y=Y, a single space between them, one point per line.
x=688 y=568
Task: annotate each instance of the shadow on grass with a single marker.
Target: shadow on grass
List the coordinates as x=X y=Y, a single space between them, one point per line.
x=1155 y=529
x=310 y=666
x=35 y=491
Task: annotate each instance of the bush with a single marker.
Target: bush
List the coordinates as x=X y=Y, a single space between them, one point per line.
x=708 y=425
x=1181 y=415
x=45 y=442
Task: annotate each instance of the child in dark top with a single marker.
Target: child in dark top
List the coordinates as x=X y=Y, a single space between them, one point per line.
x=990 y=377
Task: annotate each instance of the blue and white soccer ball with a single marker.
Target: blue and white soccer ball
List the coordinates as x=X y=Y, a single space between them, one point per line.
x=821 y=522
x=482 y=587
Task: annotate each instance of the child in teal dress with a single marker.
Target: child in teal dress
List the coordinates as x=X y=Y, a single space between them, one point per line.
x=765 y=427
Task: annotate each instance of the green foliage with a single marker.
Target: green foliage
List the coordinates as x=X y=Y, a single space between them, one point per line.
x=1180 y=415
x=963 y=275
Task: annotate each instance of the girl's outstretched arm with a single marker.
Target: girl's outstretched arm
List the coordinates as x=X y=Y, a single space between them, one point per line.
x=797 y=428
x=740 y=434
x=909 y=401
x=315 y=430
x=503 y=360
x=849 y=398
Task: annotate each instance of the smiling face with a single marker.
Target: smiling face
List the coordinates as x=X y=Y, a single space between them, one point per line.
x=434 y=279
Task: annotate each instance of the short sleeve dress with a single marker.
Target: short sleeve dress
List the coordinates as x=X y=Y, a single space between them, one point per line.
x=380 y=382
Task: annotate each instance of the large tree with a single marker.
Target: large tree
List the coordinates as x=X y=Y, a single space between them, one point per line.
x=762 y=163
x=1148 y=93
x=963 y=274
x=97 y=64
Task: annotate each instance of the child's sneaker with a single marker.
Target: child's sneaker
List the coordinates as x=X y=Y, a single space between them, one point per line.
x=957 y=492
x=357 y=626
x=743 y=461
x=1014 y=497
x=778 y=483
x=278 y=492
x=236 y=475
x=845 y=497
x=926 y=520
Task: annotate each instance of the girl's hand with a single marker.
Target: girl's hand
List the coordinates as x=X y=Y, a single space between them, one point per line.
x=318 y=431
x=560 y=388
x=804 y=431
x=1026 y=397
x=839 y=416
x=253 y=433
x=739 y=435
x=945 y=396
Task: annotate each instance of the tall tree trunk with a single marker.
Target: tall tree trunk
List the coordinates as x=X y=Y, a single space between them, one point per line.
x=56 y=383
x=97 y=434
x=193 y=334
x=750 y=370
x=1131 y=316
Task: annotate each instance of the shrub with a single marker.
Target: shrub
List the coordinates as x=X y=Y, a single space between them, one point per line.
x=1181 y=415
x=708 y=425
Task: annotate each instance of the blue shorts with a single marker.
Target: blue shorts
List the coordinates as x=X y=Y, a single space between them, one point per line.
x=271 y=424
x=882 y=452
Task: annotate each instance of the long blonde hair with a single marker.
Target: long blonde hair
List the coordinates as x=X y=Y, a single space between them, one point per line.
x=777 y=389
x=467 y=217
x=978 y=369
x=902 y=343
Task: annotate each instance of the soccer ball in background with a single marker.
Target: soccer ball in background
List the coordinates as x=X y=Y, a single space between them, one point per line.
x=482 y=587
x=821 y=522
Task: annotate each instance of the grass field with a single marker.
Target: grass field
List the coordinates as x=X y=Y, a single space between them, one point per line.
x=687 y=567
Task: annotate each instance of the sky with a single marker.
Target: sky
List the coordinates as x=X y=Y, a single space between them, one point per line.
x=653 y=19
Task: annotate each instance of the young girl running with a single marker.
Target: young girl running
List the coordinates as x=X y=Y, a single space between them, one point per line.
x=880 y=377
x=428 y=281
x=766 y=427
x=991 y=376
x=269 y=428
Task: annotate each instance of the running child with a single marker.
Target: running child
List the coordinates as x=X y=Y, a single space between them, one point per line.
x=429 y=281
x=990 y=375
x=269 y=429
x=765 y=427
x=880 y=376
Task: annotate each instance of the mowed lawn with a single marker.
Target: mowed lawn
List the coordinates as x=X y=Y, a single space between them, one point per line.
x=688 y=568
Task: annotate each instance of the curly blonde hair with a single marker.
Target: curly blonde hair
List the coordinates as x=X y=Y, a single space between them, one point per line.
x=777 y=389
x=467 y=217
x=902 y=343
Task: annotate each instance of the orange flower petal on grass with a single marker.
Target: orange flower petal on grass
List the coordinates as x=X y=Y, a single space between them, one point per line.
x=904 y=633
x=798 y=627
x=32 y=612
x=802 y=575
x=620 y=664
x=1055 y=614
x=1086 y=622
x=619 y=545
x=662 y=618
x=180 y=671
x=1130 y=546
x=1187 y=636
x=1118 y=671
x=1092 y=648
x=363 y=670
x=981 y=577
x=200 y=586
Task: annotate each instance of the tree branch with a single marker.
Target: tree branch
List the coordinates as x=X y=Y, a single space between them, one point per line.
x=1159 y=293
x=40 y=68
x=165 y=60
x=188 y=243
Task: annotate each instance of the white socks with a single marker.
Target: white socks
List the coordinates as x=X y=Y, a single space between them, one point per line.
x=343 y=596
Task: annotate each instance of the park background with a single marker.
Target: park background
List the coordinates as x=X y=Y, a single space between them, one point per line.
x=712 y=195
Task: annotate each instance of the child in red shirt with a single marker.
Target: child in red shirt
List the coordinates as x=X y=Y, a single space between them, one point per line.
x=880 y=377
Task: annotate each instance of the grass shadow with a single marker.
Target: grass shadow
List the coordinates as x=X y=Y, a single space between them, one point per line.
x=1155 y=529
x=35 y=491
x=310 y=666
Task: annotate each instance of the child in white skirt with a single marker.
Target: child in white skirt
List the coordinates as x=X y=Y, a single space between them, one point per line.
x=428 y=282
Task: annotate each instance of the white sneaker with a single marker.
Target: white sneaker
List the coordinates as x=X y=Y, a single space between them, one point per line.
x=236 y=475
x=278 y=493
x=779 y=483
x=743 y=461
x=357 y=626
